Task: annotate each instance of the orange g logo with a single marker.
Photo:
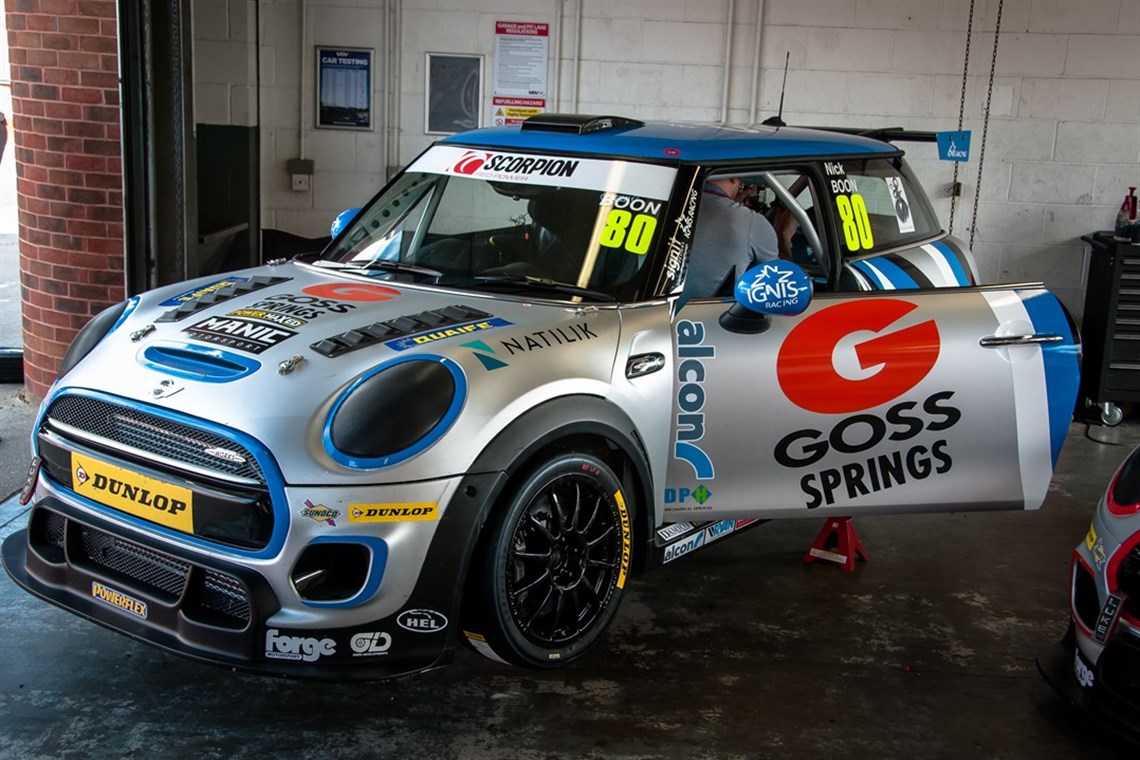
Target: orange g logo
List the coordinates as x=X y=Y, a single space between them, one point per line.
x=806 y=362
x=352 y=291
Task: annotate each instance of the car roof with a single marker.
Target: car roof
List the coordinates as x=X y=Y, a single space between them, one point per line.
x=677 y=142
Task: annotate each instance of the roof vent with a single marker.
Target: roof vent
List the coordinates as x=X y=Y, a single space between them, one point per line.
x=577 y=124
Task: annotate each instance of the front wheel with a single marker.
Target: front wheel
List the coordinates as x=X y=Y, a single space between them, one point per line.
x=554 y=566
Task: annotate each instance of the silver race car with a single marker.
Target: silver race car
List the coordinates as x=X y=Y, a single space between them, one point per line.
x=486 y=406
x=1097 y=664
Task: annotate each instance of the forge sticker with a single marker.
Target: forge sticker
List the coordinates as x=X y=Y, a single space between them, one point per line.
x=870 y=451
x=238 y=333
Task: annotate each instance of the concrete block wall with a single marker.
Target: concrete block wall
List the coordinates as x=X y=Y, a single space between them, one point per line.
x=1064 y=131
x=225 y=62
x=65 y=97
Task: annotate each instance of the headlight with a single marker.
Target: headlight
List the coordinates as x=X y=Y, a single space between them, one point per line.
x=94 y=331
x=1123 y=497
x=395 y=411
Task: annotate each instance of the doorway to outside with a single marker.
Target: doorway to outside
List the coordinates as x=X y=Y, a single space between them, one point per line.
x=11 y=334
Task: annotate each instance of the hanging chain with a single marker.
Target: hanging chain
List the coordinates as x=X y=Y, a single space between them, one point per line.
x=985 y=126
x=961 y=113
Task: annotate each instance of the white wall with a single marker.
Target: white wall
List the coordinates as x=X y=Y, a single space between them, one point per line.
x=1064 y=131
x=225 y=62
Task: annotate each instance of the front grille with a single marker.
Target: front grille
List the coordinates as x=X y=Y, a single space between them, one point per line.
x=230 y=504
x=153 y=434
x=125 y=559
x=1120 y=669
x=202 y=594
x=1128 y=581
x=1086 y=603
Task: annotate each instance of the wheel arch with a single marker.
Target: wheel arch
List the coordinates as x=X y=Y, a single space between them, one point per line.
x=587 y=424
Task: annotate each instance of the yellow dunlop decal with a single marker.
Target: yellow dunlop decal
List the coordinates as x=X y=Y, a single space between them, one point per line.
x=130 y=492
x=1090 y=539
x=376 y=513
x=626 y=539
x=117 y=599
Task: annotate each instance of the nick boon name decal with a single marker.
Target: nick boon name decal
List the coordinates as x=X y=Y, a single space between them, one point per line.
x=877 y=450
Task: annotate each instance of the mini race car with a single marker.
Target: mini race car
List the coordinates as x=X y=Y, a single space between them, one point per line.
x=484 y=406
x=1096 y=666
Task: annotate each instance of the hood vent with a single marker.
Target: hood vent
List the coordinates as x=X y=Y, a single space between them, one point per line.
x=400 y=327
x=217 y=296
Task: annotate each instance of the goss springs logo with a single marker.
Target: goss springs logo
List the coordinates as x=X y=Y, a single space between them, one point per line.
x=818 y=369
x=470 y=163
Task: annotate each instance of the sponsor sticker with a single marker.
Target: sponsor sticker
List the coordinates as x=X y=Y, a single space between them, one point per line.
x=279 y=646
x=352 y=291
x=1083 y=673
x=1106 y=621
x=135 y=494
x=1090 y=537
x=681 y=548
x=626 y=538
x=479 y=643
x=196 y=293
x=693 y=355
x=1099 y=555
x=370 y=644
x=455 y=331
x=674 y=530
x=118 y=599
x=266 y=315
x=383 y=513
x=320 y=513
x=422 y=621
x=238 y=333
x=699 y=495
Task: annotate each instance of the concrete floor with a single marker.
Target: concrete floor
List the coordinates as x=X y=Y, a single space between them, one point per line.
x=738 y=651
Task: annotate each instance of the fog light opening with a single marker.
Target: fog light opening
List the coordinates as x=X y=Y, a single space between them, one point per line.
x=331 y=572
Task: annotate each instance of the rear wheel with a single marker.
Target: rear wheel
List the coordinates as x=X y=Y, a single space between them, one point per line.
x=555 y=563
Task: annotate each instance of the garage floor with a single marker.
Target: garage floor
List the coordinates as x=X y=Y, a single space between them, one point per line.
x=737 y=651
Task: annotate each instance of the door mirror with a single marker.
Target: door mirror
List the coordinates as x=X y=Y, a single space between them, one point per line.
x=774 y=287
x=343 y=219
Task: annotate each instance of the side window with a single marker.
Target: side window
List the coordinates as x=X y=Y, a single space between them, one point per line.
x=877 y=205
x=798 y=222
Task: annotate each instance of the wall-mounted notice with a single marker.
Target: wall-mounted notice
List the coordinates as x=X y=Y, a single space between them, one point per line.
x=521 y=55
x=344 y=88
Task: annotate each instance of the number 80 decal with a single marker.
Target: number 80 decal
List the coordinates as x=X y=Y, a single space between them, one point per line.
x=856 y=223
x=627 y=230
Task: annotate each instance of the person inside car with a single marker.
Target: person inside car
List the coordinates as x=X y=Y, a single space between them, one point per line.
x=730 y=238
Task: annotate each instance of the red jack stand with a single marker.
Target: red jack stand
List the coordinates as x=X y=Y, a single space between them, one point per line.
x=837 y=542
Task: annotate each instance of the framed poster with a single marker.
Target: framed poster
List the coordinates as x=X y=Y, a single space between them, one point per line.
x=344 y=87
x=454 y=99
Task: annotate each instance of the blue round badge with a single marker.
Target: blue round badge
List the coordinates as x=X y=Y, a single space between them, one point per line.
x=774 y=287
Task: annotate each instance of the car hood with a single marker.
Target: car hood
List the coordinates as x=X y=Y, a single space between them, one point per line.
x=270 y=351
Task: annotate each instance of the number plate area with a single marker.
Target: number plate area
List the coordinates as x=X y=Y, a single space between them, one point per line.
x=131 y=492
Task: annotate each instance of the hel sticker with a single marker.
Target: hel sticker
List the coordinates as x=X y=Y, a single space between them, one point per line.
x=118 y=599
x=623 y=514
x=902 y=205
x=135 y=494
x=380 y=513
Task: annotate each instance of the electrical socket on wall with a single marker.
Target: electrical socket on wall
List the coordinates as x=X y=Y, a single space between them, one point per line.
x=300 y=173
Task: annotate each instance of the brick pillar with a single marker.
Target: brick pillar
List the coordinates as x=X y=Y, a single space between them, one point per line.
x=65 y=98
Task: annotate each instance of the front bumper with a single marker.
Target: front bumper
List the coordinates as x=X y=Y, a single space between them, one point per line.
x=1114 y=703
x=216 y=610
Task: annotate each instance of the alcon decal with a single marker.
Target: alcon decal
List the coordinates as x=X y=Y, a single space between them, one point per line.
x=871 y=451
x=689 y=422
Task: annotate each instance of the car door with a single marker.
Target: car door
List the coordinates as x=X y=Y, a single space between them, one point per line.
x=917 y=401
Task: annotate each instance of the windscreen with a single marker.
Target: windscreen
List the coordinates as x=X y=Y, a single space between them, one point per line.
x=465 y=214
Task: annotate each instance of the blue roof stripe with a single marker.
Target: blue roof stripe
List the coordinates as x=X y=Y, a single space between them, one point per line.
x=954 y=262
x=894 y=273
x=678 y=142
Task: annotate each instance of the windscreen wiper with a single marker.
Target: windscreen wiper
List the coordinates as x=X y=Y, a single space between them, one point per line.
x=383 y=265
x=540 y=283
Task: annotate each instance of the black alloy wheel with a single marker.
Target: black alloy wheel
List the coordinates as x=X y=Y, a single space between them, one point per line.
x=557 y=562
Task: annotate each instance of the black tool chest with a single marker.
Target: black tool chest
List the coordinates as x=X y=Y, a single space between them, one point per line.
x=1110 y=369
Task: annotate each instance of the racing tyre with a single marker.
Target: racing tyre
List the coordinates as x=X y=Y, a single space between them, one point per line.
x=555 y=563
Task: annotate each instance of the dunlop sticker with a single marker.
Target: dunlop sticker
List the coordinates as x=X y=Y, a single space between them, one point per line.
x=130 y=492
x=377 y=513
